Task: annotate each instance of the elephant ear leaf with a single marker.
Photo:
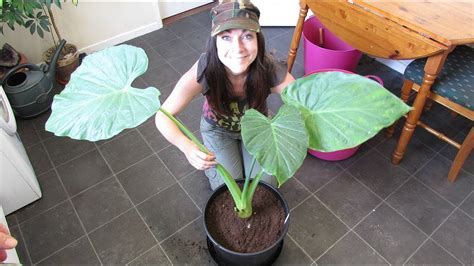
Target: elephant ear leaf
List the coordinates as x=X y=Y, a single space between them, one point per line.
x=342 y=110
x=279 y=145
x=99 y=101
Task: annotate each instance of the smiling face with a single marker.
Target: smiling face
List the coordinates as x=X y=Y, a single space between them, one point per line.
x=237 y=49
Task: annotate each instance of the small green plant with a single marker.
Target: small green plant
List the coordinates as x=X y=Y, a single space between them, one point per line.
x=327 y=112
x=34 y=15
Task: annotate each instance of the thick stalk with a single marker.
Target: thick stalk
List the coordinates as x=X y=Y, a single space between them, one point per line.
x=53 y=22
x=228 y=179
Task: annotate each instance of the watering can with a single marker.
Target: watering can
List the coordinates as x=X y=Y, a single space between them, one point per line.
x=30 y=92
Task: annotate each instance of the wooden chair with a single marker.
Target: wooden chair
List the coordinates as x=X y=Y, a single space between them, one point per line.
x=454 y=89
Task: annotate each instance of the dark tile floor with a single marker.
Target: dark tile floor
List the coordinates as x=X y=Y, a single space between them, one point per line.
x=134 y=199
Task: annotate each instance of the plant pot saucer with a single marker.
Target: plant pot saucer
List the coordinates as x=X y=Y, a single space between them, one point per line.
x=214 y=256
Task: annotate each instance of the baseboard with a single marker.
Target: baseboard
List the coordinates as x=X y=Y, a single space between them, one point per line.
x=122 y=37
x=397 y=65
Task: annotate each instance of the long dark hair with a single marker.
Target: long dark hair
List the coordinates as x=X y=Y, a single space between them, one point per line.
x=260 y=79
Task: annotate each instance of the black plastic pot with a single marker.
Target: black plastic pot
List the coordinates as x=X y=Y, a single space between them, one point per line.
x=224 y=256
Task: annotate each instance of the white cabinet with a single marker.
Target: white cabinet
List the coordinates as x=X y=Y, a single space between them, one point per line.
x=278 y=12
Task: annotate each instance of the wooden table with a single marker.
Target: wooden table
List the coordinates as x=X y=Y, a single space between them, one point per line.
x=396 y=30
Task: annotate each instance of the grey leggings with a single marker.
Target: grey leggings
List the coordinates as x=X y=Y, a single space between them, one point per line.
x=230 y=152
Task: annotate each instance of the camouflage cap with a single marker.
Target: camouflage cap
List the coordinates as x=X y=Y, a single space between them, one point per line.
x=234 y=14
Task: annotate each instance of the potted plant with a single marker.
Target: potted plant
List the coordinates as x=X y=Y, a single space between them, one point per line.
x=327 y=111
x=38 y=18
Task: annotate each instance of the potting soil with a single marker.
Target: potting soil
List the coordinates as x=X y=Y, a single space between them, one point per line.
x=253 y=234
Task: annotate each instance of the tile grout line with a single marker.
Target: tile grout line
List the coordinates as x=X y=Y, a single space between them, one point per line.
x=73 y=207
x=134 y=207
x=300 y=247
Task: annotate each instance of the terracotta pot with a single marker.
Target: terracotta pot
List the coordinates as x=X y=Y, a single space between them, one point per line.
x=67 y=63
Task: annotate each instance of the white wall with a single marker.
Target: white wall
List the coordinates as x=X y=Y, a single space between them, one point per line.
x=91 y=26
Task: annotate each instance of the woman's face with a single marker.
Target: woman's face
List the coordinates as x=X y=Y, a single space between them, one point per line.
x=237 y=49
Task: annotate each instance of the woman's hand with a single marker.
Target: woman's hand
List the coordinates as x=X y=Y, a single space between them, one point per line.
x=6 y=242
x=198 y=159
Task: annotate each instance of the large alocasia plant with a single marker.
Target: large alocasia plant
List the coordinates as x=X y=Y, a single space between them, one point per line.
x=327 y=111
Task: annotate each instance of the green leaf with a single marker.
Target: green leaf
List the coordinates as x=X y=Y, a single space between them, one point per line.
x=99 y=102
x=342 y=110
x=279 y=145
x=40 y=31
x=32 y=28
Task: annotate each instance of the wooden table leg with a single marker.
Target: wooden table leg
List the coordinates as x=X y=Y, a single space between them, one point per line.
x=295 y=41
x=432 y=68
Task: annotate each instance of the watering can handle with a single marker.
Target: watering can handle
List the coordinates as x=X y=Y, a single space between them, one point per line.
x=15 y=69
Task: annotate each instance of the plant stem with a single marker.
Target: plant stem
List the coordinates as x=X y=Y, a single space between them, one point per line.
x=53 y=22
x=227 y=178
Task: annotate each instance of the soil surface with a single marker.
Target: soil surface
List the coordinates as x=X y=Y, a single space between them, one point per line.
x=249 y=235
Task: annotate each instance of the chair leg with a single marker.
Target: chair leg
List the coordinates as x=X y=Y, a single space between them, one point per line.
x=407 y=85
x=461 y=156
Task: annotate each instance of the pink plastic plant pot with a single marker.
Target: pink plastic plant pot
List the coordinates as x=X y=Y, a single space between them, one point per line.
x=323 y=49
x=340 y=154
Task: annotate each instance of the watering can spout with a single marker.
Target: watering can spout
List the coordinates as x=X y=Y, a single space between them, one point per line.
x=54 y=59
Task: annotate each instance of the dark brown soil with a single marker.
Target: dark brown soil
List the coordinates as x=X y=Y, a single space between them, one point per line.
x=254 y=234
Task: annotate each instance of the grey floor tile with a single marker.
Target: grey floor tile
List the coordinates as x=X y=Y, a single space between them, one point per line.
x=348 y=199
x=450 y=152
x=145 y=178
x=83 y=172
x=79 y=252
x=52 y=194
x=152 y=135
x=125 y=151
x=101 y=203
x=198 y=40
x=456 y=235
x=63 y=149
x=291 y=254
x=390 y=235
x=420 y=205
x=161 y=76
x=198 y=188
x=177 y=206
x=39 y=159
x=183 y=63
x=27 y=132
x=435 y=175
x=154 y=256
x=174 y=49
x=21 y=250
x=364 y=149
x=123 y=239
x=432 y=254
x=314 y=227
x=416 y=155
x=293 y=192
x=39 y=123
x=272 y=32
x=351 y=250
x=468 y=205
x=204 y=19
x=176 y=161
x=158 y=37
x=11 y=219
x=314 y=173
x=188 y=246
x=382 y=177
x=185 y=26
x=51 y=231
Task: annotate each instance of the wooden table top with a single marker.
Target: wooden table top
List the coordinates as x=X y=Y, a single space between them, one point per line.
x=398 y=29
x=447 y=22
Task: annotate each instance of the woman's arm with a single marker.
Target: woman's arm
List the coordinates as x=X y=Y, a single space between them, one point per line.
x=183 y=93
x=279 y=88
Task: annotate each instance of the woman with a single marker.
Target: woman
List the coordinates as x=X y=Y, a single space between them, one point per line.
x=234 y=74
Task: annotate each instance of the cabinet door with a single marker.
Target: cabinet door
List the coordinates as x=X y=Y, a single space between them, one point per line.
x=170 y=8
x=278 y=12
